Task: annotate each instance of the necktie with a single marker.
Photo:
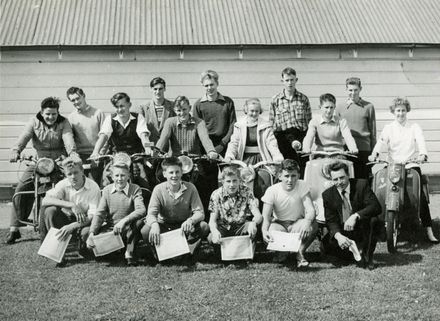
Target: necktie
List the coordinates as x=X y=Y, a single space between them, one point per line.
x=346 y=208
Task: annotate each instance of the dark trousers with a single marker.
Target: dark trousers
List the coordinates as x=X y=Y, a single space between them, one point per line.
x=361 y=169
x=285 y=139
x=130 y=234
x=53 y=216
x=22 y=204
x=365 y=234
x=425 y=213
x=201 y=230
x=206 y=182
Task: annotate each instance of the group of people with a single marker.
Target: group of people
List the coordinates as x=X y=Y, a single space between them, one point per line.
x=351 y=208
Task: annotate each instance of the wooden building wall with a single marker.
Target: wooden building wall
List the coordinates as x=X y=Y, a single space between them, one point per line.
x=28 y=76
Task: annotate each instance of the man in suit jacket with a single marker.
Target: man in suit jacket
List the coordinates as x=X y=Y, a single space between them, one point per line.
x=157 y=110
x=352 y=219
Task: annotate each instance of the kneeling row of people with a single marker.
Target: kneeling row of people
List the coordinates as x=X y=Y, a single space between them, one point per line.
x=233 y=209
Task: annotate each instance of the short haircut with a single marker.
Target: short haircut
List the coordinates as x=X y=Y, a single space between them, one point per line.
x=288 y=71
x=157 y=80
x=180 y=100
x=74 y=90
x=121 y=165
x=353 y=81
x=400 y=101
x=117 y=97
x=210 y=74
x=289 y=165
x=252 y=101
x=336 y=166
x=327 y=97
x=171 y=161
x=72 y=161
x=50 y=102
x=230 y=171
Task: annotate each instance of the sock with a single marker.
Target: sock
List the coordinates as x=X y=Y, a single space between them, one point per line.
x=128 y=255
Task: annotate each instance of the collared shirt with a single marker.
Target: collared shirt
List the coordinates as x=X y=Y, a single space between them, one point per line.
x=116 y=205
x=164 y=208
x=179 y=193
x=86 y=125
x=86 y=198
x=288 y=113
x=361 y=118
x=403 y=142
x=328 y=135
x=107 y=128
x=52 y=141
x=124 y=190
x=185 y=137
x=232 y=209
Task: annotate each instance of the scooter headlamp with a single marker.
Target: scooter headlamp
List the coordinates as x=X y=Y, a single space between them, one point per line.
x=247 y=174
x=394 y=177
x=45 y=166
x=187 y=164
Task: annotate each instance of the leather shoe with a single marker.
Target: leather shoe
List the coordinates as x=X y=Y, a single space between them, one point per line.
x=12 y=237
x=370 y=265
x=62 y=264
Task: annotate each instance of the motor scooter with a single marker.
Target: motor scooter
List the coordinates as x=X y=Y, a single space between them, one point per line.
x=318 y=176
x=397 y=187
x=45 y=176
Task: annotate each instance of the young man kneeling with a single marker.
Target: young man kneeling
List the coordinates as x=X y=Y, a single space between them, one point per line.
x=174 y=204
x=69 y=206
x=291 y=205
x=122 y=208
x=230 y=205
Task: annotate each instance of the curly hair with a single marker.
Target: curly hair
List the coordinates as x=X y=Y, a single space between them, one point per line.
x=400 y=101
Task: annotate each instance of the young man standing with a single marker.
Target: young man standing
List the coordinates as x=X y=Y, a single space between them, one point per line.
x=361 y=119
x=86 y=122
x=290 y=114
x=217 y=111
x=157 y=110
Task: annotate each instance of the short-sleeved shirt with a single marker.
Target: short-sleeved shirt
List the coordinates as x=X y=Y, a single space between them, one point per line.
x=287 y=206
x=288 y=113
x=85 y=198
x=232 y=209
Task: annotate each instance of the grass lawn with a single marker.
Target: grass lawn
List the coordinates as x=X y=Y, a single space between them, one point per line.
x=404 y=286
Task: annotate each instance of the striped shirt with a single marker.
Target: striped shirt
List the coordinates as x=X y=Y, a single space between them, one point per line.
x=288 y=113
x=185 y=137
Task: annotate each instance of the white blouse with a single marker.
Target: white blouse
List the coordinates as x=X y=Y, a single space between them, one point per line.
x=403 y=142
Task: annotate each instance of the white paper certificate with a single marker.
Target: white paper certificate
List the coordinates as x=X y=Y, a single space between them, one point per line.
x=237 y=248
x=284 y=242
x=172 y=244
x=106 y=243
x=52 y=247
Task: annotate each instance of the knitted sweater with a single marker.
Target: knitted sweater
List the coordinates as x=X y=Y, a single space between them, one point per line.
x=115 y=205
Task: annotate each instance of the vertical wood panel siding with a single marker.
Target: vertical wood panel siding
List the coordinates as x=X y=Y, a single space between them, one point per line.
x=27 y=76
